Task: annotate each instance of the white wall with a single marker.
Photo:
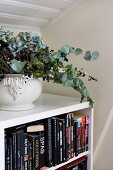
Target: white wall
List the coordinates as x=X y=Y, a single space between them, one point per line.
x=89 y=25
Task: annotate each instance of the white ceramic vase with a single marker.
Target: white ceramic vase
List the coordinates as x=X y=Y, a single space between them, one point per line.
x=18 y=92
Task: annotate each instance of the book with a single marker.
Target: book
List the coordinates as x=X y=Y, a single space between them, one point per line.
x=55 y=149
x=25 y=151
x=33 y=138
x=35 y=128
x=48 y=142
x=86 y=132
x=61 y=140
x=75 y=136
x=81 y=132
x=41 y=150
x=30 y=156
x=67 y=126
x=38 y=150
x=72 y=135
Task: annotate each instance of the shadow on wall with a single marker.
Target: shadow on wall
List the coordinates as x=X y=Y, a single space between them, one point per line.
x=103 y=155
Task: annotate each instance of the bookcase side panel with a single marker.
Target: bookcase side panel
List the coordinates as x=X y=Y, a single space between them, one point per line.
x=2 y=150
x=90 y=155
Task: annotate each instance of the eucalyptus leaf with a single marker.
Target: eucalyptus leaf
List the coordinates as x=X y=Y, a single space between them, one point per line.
x=64 y=77
x=65 y=49
x=55 y=56
x=17 y=66
x=78 y=51
x=95 y=55
x=88 y=55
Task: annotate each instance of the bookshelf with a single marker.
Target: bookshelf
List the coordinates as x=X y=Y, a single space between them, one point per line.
x=48 y=105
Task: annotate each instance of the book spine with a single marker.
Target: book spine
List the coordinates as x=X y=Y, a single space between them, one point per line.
x=64 y=140
x=18 y=148
x=67 y=136
x=79 y=135
x=86 y=133
x=69 y=152
x=25 y=151
x=11 y=153
x=83 y=132
x=32 y=141
x=22 y=150
x=54 y=140
x=6 y=153
x=76 y=137
x=41 y=150
x=58 y=141
x=30 y=149
x=14 y=151
x=61 y=140
x=48 y=143
x=37 y=152
x=71 y=135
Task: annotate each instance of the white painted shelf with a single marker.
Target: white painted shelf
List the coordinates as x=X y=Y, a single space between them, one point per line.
x=70 y=160
x=48 y=105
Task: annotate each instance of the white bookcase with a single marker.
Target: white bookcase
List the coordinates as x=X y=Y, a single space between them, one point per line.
x=48 y=105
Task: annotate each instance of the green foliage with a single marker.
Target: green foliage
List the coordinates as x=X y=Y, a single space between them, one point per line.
x=28 y=54
x=17 y=66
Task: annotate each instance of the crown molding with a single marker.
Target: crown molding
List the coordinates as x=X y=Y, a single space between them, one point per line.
x=29 y=6
x=12 y=16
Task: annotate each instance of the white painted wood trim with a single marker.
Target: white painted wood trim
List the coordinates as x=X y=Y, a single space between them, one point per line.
x=12 y=16
x=90 y=157
x=70 y=160
x=27 y=5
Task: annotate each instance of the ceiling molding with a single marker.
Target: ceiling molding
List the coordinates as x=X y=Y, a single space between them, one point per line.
x=32 y=14
x=30 y=6
x=12 y=16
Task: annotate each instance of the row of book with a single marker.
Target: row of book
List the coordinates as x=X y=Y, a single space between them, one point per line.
x=46 y=143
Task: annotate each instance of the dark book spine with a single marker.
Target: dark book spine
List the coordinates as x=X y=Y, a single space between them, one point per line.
x=30 y=157
x=18 y=150
x=75 y=137
x=37 y=152
x=11 y=153
x=79 y=143
x=25 y=151
x=48 y=143
x=54 y=140
x=22 y=150
x=86 y=133
x=32 y=140
x=67 y=136
x=14 y=151
x=41 y=150
x=83 y=165
x=71 y=135
x=6 y=153
x=61 y=140
x=58 y=141
x=69 y=152
x=64 y=140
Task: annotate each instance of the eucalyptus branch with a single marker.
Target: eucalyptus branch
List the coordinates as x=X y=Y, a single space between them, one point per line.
x=81 y=73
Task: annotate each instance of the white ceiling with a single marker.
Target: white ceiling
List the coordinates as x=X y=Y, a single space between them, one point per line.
x=31 y=14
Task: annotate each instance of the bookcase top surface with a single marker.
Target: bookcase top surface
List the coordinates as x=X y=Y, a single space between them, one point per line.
x=47 y=105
